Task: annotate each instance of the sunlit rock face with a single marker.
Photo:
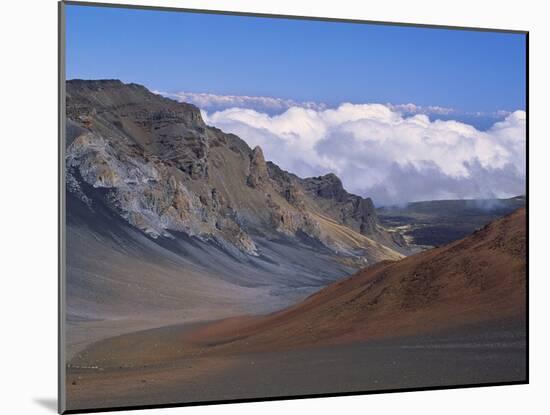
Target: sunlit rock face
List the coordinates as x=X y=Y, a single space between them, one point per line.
x=163 y=170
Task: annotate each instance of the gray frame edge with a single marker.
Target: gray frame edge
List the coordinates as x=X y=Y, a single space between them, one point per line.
x=62 y=207
x=61 y=382
x=291 y=17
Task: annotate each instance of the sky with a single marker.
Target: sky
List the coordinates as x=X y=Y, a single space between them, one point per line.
x=428 y=105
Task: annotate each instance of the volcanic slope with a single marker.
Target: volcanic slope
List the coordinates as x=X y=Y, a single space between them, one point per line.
x=479 y=281
x=170 y=220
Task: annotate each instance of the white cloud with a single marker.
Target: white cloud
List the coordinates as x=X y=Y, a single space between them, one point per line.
x=417 y=109
x=213 y=102
x=272 y=105
x=380 y=152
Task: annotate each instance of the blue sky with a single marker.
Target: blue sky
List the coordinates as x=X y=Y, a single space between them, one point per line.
x=301 y=60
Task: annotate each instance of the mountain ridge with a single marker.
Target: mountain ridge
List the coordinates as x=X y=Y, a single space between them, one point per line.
x=168 y=146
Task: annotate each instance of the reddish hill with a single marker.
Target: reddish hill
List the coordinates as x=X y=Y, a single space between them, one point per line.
x=478 y=279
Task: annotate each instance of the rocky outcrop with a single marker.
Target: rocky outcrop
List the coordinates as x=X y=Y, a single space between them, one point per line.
x=164 y=171
x=258 y=175
x=326 y=194
x=328 y=187
x=172 y=131
x=288 y=185
x=148 y=195
x=354 y=211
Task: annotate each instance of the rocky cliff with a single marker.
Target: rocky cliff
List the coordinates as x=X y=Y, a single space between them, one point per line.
x=164 y=171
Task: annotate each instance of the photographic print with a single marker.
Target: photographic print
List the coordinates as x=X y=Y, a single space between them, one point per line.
x=257 y=207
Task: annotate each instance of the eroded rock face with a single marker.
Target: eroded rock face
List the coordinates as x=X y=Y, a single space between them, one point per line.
x=148 y=194
x=354 y=211
x=164 y=171
x=258 y=176
x=327 y=187
x=144 y=151
x=172 y=131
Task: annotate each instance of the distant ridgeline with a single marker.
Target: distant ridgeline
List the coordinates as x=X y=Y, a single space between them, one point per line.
x=438 y=222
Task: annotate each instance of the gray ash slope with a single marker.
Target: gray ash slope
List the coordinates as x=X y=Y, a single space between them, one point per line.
x=171 y=219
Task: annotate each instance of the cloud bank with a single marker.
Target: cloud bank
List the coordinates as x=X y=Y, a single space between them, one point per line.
x=214 y=102
x=274 y=106
x=411 y=109
x=380 y=151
